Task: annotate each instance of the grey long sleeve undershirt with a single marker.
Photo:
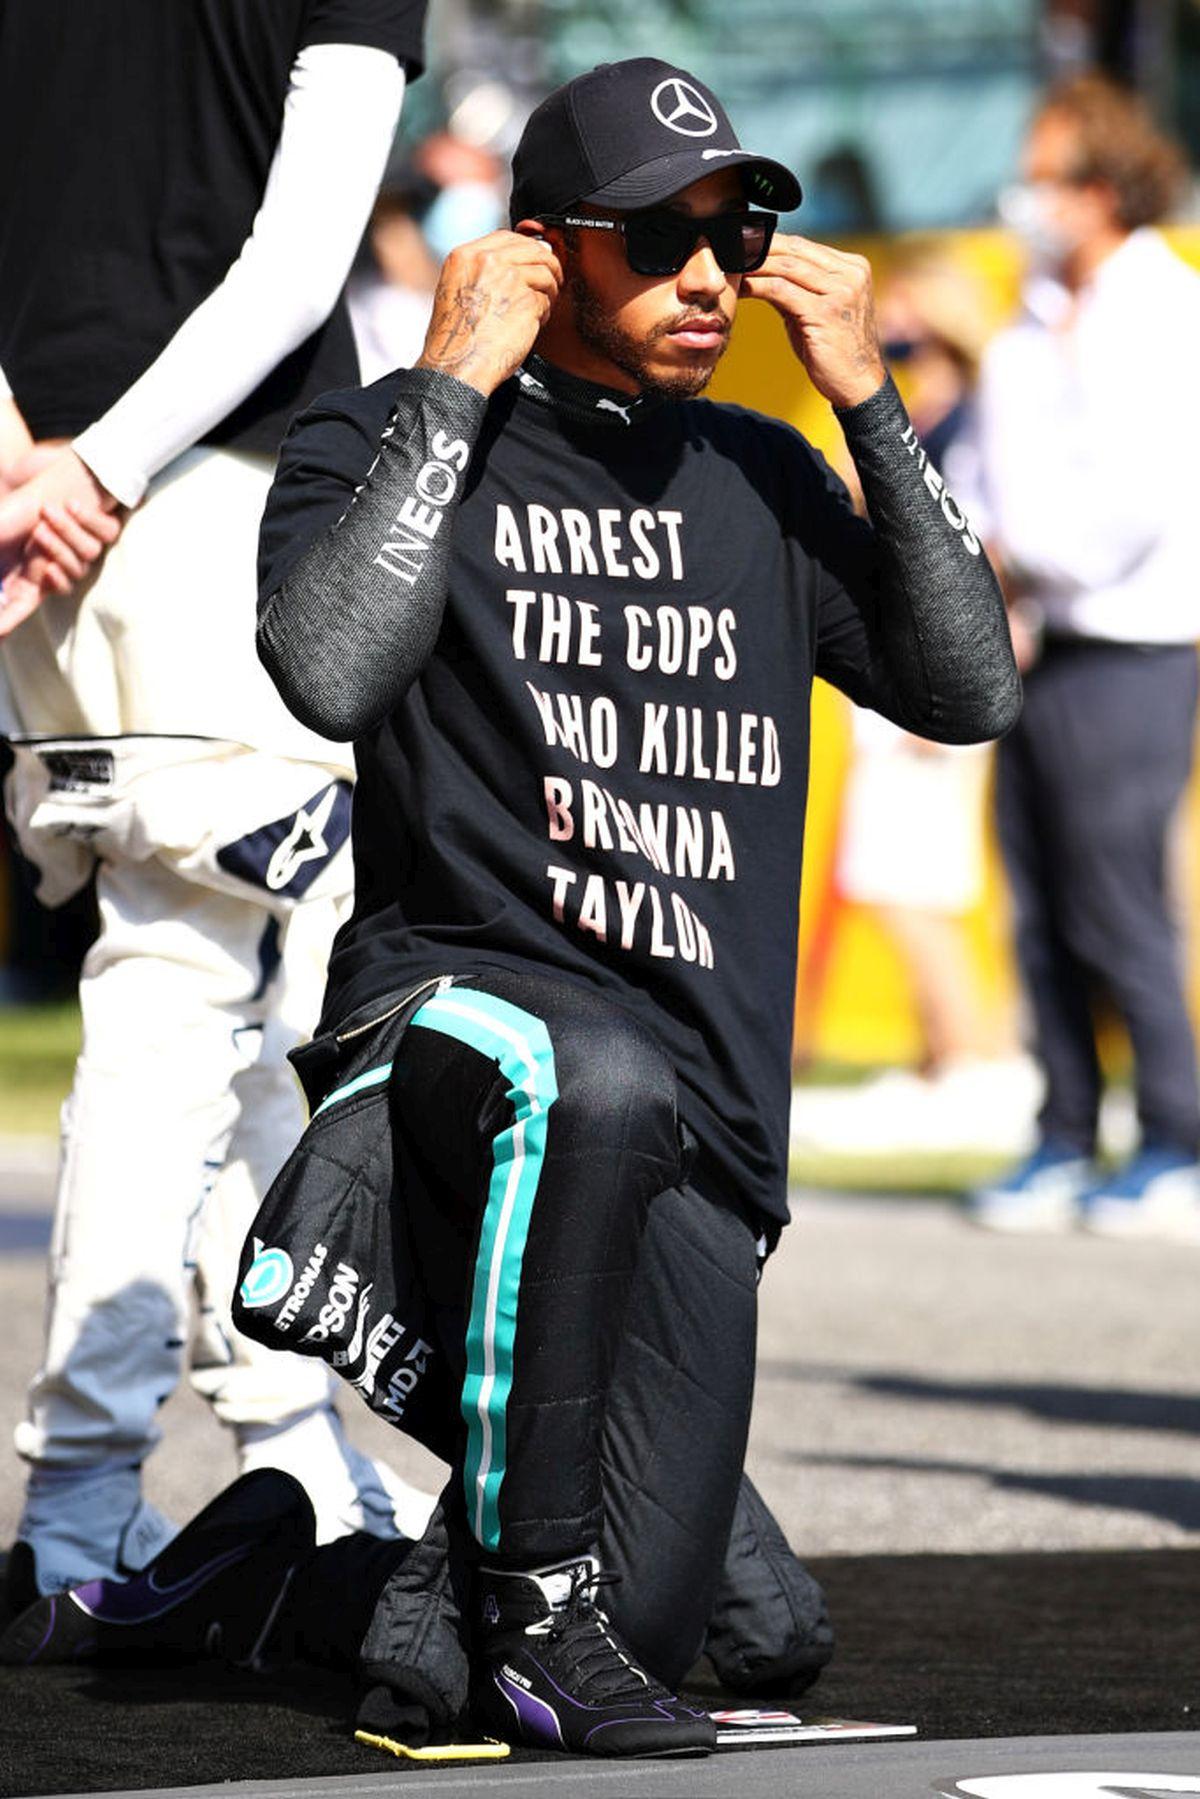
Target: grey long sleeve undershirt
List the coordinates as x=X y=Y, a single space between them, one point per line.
x=354 y=622
x=946 y=668
x=356 y=618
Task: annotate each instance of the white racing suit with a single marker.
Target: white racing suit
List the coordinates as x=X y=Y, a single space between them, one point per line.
x=222 y=869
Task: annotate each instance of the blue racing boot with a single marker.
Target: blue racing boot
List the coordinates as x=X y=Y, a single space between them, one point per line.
x=81 y=1524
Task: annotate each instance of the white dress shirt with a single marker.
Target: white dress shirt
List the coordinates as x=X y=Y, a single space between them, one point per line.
x=1091 y=450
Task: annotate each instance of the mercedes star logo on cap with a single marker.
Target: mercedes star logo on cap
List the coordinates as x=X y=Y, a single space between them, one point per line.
x=681 y=107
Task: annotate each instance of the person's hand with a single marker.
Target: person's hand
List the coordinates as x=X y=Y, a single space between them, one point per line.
x=924 y=750
x=15 y=442
x=1025 y=630
x=54 y=528
x=493 y=297
x=32 y=461
x=825 y=299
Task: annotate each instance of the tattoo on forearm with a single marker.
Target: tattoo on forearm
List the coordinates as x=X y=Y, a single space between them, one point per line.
x=471 y=304
x=456 y=346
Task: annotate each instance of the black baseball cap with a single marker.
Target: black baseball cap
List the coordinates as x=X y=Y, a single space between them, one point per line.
x=629 y=135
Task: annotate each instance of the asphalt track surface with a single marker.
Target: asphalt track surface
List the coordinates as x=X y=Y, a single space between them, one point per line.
x=1134 y=1767
x=988 y=1449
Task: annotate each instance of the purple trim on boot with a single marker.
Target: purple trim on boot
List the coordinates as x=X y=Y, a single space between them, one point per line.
x=141 y=1600
x=531 y=1711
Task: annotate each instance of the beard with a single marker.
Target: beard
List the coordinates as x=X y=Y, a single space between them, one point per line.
x=633 y=355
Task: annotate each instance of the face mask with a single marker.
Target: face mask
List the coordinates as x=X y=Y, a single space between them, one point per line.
x=1027 y=208
x=463 y=211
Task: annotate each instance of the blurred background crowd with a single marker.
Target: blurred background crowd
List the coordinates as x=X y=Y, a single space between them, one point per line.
x=905 y=120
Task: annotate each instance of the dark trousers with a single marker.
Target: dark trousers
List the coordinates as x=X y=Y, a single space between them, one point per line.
x=1087 y=785
x=669 y=1463
x=526 y=1282
x=598 y=1315
x=674 y=1440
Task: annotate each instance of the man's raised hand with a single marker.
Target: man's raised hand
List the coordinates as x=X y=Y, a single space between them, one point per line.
x=825 y=299
x=492 y=299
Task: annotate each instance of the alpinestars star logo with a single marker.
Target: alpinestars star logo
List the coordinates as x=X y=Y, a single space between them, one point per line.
x=305 y=842
x=682 y=108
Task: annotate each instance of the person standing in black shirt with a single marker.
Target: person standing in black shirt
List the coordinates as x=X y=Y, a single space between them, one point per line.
x=184 y=189
x=571 y=615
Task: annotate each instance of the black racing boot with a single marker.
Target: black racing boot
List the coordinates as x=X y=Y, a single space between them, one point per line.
x=215 y=1590
x=550 y=1671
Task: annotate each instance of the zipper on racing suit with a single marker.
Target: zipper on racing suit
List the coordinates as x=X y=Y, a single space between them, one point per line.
x=439 y=982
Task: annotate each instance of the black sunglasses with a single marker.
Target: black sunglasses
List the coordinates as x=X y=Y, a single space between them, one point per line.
x=659 y=242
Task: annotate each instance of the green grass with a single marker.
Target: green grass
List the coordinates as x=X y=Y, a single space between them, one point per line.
x=948 y=1174
x=903 y=1173
x=38 y=1046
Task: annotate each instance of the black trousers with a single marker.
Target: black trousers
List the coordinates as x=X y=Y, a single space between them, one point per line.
x=1087 y=785
x=597 y=1312
x=674 y=1441
x=669 y=1459
x=488 y=1230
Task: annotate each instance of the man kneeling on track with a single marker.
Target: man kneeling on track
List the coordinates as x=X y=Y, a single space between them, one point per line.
x=571 y=616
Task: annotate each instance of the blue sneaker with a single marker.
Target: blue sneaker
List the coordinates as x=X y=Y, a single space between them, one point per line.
x=215 y=1590
x=1156 y=1194
x=1042 y=1193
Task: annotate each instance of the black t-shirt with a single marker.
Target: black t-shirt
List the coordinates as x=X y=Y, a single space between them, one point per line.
x=135 y=139
x=602 y=769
